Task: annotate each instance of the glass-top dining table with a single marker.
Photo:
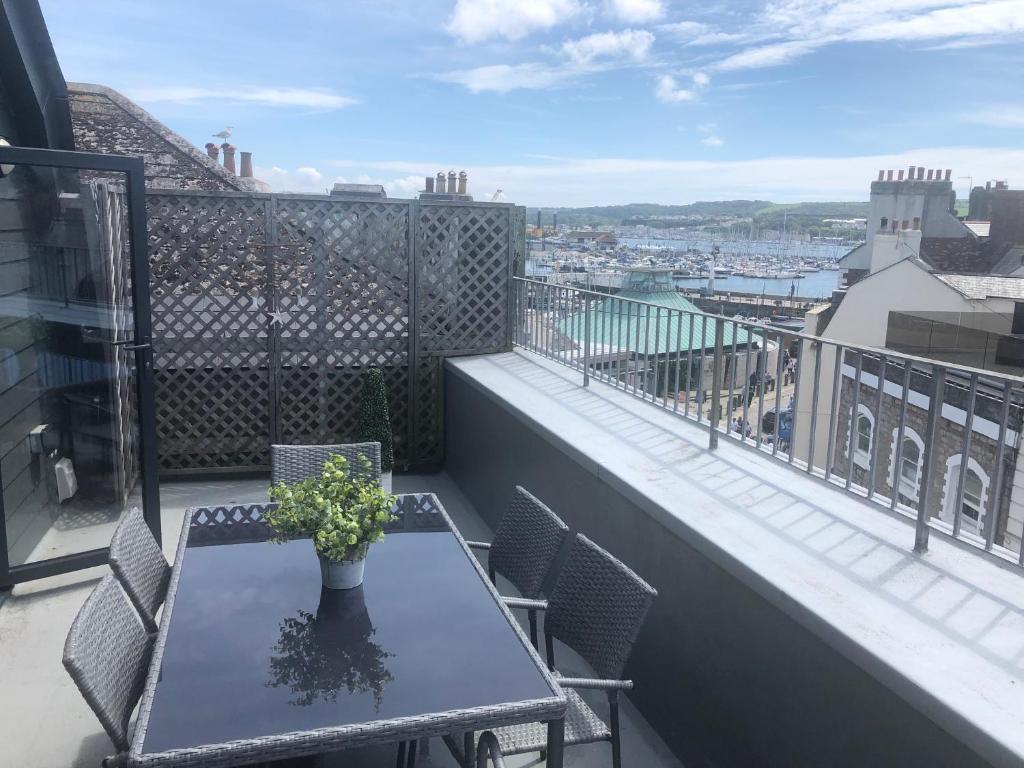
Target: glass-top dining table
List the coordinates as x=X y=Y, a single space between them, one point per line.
x=255 y=661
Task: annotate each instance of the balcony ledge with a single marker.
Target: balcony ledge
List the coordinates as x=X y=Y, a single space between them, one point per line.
x=944 y=631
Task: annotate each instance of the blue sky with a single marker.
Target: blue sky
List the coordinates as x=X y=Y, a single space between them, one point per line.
x=574 y=102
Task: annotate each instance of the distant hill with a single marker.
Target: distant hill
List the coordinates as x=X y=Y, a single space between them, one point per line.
x=764 y=213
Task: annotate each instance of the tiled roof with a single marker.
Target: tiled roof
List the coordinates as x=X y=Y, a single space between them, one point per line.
x=107 y=122
x=980 y=228
x=985 y=286
x=617 y=324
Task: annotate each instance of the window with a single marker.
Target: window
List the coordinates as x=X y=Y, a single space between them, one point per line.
x=861 y=437
x=972 y=507
x=906 y=481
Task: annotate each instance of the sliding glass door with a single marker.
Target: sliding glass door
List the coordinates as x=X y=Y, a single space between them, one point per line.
x=77 y=445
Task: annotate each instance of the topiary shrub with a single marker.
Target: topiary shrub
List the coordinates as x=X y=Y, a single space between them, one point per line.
x=373 y=419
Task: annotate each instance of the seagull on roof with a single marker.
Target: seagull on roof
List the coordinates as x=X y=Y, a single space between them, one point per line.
x=225 y=134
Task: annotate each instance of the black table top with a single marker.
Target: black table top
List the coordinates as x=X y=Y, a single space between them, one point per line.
x=254 y=646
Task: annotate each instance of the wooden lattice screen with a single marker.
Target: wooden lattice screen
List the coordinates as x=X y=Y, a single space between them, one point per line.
x=267 y=308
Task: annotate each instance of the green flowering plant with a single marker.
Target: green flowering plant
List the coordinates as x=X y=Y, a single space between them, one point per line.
x=342 y=511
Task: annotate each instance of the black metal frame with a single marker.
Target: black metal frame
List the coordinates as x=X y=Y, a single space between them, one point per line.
x=132 y=168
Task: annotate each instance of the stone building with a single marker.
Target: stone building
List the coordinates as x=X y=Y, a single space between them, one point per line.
x=867 y=448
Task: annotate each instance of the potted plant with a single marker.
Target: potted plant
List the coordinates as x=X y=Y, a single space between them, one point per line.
x=341 y=511
x=373 y=421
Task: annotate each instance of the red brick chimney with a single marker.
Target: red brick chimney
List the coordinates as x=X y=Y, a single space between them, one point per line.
x=229 y=157
x=212 y=150
x=246 y=165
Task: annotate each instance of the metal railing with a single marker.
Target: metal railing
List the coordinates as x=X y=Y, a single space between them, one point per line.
x=888 y=427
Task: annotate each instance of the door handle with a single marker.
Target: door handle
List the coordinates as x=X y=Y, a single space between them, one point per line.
x=129 y=344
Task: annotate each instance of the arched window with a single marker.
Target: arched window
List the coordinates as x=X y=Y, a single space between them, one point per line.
x=862 y=436
x=906 y=479
x=975 y=496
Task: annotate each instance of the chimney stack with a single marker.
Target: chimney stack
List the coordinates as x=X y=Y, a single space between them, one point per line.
x=229 y=157
x=429 y=184
x=440 y=183
x=246 y=165
x=212 y=150
x=463 y=179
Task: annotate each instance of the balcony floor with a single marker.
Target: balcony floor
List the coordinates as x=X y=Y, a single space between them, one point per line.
x=47 y=723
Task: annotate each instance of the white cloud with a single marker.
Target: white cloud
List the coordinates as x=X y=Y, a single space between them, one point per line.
x=474 y=21
x=685 y=30
x=997 y=117
x=502 y=78
x=789 y=29
x=601 y=181
x=630 y=43
x=311 y=181
x=712 y=141
x=670 y=91
x=768 y=55
x=637 y=11
x=313 y=98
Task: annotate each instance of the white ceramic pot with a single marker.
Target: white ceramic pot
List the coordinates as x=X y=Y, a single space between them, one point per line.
x=342 y=574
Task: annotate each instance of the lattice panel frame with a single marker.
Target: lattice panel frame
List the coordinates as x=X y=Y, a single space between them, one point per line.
x=211 y=294
x=267 y=308
x=463 y=278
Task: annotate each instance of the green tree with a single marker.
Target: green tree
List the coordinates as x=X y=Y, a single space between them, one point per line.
x=373 y=420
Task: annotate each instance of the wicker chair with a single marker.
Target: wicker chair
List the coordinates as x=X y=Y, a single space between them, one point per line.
x=526 y=543
x=107 y=655
x=596 y=608
x=292 y=463
x=138 y=563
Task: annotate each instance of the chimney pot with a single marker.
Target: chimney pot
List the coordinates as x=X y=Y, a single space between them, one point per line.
x=430 y=184
x=930 y=172
x=988 y=186
x=901 y=174
x=246 y=170
x=912 y=173
x=463 y=178
x=949 y=174
x=889 y=175
x=920 y=173
x=229 y=156
x=212 y=150
x=440 y=182
x=881 y=175
x=452 y=182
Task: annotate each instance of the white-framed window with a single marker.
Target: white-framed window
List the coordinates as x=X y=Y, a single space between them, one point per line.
x=906 y=479
x=975 y=496
x=862 y=432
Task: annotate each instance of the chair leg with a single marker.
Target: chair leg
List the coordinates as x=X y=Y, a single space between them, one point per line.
x=412 y=754
x=549 y=647
x=490 y=571
x=613 y=701
x=533 y=628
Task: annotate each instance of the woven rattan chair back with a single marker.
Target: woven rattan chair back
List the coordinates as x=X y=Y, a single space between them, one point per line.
x=527 y=542
x=597 y=607
x=292 y=463
x=138 y=563
x=107 y=654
